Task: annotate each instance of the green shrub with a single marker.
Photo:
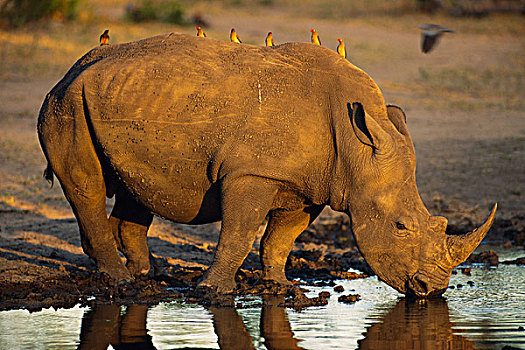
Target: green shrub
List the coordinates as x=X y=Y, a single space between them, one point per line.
x=19 y=12
x=156 y=10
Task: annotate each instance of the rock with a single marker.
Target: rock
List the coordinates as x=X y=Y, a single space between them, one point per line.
x=489 y=257
x=298 y=300
x=466 y=271
x=518 y=261
x=350 y=298
x=324 y=295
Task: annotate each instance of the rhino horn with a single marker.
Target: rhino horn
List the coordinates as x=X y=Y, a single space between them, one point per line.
x=461 y=246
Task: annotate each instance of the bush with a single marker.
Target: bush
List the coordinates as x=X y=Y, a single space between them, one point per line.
x=156 y=10
x=20 y=12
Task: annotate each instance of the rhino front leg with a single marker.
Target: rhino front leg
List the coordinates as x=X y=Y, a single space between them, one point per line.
x=130 y=222
x=245 y=202
x=278 y=239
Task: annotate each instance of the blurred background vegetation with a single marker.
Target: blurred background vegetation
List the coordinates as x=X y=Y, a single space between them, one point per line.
x=16 y=13
x=156 y=10
x=19 y=12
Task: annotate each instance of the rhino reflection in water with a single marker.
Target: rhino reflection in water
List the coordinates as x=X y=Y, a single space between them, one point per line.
x=274 y=327
x=415 y=325
x=104 y=325
x=198 y=130
x=408 y=325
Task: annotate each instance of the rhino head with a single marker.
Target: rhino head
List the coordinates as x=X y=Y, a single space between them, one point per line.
x=402 y=242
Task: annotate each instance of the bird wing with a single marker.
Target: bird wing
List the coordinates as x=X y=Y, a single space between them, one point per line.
x=428 y=42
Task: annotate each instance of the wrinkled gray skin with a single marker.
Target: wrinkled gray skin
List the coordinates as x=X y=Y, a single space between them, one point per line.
x=197 y=130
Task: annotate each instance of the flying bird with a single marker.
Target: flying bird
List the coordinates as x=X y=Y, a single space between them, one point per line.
x=315 y=37
x=104 y=38
x=269 y=39
x=200 y=32
x=341 y=48
x=234 y=37
x=430 y=35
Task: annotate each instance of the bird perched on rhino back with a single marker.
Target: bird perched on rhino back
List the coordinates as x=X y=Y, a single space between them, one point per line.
x=104 y=38
x=315 y=37
x=269 y=39
x=341 y=48
x=430 y=35
x=200 y=32
x=234 y=37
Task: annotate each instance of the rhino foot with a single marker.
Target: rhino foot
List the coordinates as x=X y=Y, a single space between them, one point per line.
x=117 y=272
x=157 y=267
x=219 y=286
x=138 y=269
x=278 y=278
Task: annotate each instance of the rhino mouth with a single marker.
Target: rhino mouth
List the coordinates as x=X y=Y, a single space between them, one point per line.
x=418 y=287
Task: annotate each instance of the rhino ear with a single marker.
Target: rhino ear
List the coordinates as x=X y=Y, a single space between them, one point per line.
x=367 y=130
x=398 y=117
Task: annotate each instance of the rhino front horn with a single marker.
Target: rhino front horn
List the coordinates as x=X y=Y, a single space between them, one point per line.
x=461 y=246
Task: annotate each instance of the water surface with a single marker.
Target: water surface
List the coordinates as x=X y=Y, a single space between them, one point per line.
x=487 y=312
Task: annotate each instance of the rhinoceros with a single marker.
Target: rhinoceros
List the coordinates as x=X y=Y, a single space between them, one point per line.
x=197 y=130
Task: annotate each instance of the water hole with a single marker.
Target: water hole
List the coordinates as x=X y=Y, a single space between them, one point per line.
x=487 y=311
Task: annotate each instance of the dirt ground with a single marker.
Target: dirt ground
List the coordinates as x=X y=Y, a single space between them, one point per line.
x=465 y=111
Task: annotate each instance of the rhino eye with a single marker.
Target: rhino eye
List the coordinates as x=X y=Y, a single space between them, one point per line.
x=400 y=226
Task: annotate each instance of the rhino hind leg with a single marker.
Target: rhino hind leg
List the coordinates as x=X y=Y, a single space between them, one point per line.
x=278 y=239
x=129 y=223
x=245 y=202
x=80 y=176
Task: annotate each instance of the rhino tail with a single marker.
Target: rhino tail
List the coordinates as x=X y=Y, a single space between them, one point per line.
x=48 y=174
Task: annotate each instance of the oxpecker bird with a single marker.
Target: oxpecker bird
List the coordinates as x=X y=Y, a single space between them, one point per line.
x=341 y=48
x=315 y=37
x=430 y=35
x=269 y=40
x=104 y=38
x=234 y=37
x=200 y=32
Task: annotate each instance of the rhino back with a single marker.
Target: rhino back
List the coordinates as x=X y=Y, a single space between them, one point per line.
x=175 y=113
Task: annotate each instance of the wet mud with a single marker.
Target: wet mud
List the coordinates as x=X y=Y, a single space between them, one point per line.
x=88 y=288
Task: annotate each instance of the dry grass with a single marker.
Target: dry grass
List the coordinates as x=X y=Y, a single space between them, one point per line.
x=493 y=86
